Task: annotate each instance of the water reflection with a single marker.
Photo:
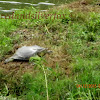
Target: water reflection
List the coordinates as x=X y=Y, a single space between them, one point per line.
x=45 y=3
x=12 y=2
x=10 y=6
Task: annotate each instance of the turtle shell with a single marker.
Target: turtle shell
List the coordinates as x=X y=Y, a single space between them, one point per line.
x=25 y=52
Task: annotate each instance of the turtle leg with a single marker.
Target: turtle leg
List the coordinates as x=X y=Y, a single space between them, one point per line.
x=8 y=60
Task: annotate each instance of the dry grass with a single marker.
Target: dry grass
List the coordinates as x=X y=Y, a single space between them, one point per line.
x=81 y=6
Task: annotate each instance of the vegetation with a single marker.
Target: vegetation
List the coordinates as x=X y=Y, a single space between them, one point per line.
x=72 y=70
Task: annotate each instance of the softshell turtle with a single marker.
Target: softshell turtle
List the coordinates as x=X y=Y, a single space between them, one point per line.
x=25 y=52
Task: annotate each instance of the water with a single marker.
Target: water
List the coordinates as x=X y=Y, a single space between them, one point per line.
x=10 y=6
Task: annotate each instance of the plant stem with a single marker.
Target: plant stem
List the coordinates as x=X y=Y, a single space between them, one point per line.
x=46 y=83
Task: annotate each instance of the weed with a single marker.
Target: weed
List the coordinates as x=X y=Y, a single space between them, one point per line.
x=39 y=62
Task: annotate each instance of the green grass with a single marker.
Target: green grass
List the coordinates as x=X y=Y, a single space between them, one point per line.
x=75 y=40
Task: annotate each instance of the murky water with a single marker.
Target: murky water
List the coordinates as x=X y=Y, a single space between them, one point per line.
x=10 y=6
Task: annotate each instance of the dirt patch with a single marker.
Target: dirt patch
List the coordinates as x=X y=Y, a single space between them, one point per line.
x=81 y=6
x=16 y=67
x=52 y=60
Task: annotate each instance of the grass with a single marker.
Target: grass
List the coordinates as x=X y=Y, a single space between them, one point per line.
x=75 y=42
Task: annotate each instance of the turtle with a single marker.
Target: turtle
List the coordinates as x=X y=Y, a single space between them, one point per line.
x=25 y=52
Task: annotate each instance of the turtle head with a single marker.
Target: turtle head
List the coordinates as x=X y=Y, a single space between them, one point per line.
x=49 y=51
x=45 y=51
x=8 y=60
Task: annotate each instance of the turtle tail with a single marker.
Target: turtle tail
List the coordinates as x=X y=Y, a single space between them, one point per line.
x=8 y=60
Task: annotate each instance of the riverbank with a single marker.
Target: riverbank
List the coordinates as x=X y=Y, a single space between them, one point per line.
x=72 y=69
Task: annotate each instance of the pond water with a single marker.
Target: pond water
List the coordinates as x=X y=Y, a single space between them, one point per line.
x=10 y=6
